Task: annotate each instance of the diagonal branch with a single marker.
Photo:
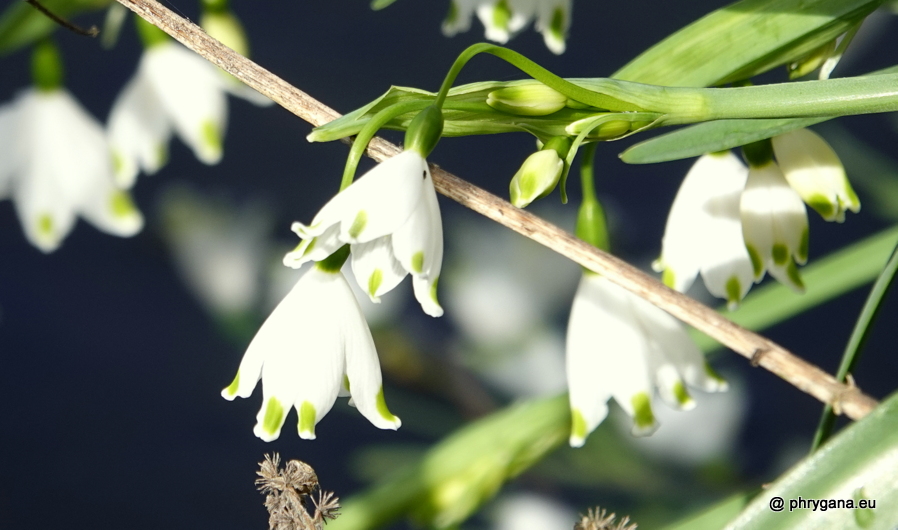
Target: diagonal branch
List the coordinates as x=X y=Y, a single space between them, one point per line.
x=805 y=376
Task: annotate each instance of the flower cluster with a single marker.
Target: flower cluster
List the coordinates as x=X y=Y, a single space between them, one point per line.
x=60 y=162
x=621 y=346
x=389 y=220
x=732 y=223
x=56 y=164
x=503 y=18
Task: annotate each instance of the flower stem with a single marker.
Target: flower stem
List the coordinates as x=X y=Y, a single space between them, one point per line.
x=370 y=130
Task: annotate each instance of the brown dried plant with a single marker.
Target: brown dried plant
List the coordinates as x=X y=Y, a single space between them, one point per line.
x=596 y=519
x=293 y=497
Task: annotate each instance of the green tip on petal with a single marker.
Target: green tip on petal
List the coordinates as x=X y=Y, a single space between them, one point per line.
x=712 y=373
x=374 y=282
x=211 y=137
x=502 y=15
x=734 y=292
x=418 y=262
x=121 y=204
x=358 y=224
x=780 y=254
x=556 y=27
x=757 y=264
x=794 y=277
x=45 y=225
x=274 y=416
x=822 y=205
x=578 y=428
x=643 y=416
x=382 y=407
x=433 y=290
x=307 y=417
x=231 y=390
x=682 y=395
x=803 y=246
x=346 y=382
x=668 y=277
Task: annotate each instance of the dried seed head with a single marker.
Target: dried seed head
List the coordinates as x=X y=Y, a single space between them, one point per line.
x=596 y=519
x=289 y=495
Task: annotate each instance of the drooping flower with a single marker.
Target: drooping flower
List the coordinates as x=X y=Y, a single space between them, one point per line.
x=57 y=165
x=774 y=219
x=391 y=218
x=313 y=347
x=620 y=346
x=704 y=230
x=815 y=172
x=502 y=19
x=173 y=90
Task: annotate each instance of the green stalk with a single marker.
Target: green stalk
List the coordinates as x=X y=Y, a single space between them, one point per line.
x=856 y=342
x=369 y=130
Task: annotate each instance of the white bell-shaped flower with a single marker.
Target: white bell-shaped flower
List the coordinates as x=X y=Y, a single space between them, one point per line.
x=774 y=225
x=57 y=165
x=391 y=218
x=502 y=19
x=704 y=230
x=173 y=90
x=814 y=170
x=553 y=19
x=313 y=347
x=620 y=346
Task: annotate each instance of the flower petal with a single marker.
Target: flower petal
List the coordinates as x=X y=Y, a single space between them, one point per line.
x=814 y=170
x=314 y=248
x=191 y=91
x=363 y=366
x=606 y=355
x=418 y=243
x=700 y=220
x=376 y=204
x=139 y=131
x=376 y=270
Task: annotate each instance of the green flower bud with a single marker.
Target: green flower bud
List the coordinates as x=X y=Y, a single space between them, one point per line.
x=591 y=225
x=811 y=61
x=540 y=173
x=424 y=131
x=226 y=28
x=46 y=66
x=531 y=99
x=537 y=177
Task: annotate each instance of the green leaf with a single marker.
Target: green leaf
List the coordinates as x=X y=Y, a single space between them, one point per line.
x=21 y=24
x=825 y=279
x=710 y=137
x=861 y=462
x=463 y=471
x=718 y=135
x=715 y=516
x=743 y=40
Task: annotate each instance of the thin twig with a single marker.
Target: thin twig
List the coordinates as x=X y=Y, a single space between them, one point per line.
x=798 y=372
x=92 y=31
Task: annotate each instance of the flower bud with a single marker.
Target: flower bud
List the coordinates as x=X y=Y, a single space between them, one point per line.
x=540 y=173
x=531 y=99
x=813 y=170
